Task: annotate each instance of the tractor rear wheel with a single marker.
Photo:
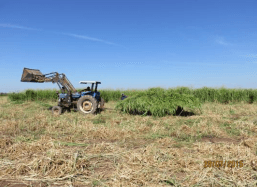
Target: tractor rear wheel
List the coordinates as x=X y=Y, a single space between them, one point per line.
x=57 y=110
x=87 y=104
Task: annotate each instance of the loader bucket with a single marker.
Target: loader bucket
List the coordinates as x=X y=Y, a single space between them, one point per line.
x=31 y=75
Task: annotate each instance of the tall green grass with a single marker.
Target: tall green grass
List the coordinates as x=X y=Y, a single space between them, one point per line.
x=224 y=95
x=34 y=95
x=205 y=94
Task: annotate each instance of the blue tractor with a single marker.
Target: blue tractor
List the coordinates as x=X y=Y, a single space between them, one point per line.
x=86 y=101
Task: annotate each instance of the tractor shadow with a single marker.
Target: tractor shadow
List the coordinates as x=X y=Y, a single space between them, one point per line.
x=179 y=112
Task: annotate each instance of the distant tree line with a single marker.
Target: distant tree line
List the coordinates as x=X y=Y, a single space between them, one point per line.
x=1 y=93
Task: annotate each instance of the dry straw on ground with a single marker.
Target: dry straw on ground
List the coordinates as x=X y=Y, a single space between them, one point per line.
x=114 y=149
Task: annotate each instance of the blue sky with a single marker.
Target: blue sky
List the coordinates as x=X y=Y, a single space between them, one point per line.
x=130 y=44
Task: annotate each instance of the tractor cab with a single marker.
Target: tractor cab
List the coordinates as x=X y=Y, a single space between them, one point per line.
x=93 y=87
x=90 y=90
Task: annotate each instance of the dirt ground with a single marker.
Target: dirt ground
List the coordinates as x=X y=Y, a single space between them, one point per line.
x=115 y=149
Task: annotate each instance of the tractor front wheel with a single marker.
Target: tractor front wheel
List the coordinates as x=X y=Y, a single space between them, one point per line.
x=87 y=104
x=57 y=110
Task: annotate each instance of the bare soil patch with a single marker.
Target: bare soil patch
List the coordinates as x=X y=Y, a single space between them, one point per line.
x=211 y=139
x=17 y=183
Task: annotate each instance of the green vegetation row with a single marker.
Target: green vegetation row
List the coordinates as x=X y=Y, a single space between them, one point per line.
x=34 y=95
x=157 y=102
x=42 y=95
x=222 y=95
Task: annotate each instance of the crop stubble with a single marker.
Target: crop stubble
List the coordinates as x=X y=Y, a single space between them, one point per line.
x=113 y=149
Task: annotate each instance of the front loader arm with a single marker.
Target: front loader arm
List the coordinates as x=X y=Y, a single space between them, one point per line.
x=34 y=75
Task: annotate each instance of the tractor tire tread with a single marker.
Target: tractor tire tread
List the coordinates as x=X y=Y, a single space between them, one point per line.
x=91 y=99
x=57 y=110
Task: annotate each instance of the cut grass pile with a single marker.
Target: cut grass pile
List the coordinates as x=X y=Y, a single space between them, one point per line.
x=157 y=102
x=205 y=94
x=115 y=95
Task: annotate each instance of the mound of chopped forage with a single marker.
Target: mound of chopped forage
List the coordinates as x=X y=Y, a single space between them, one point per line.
x=157 y=102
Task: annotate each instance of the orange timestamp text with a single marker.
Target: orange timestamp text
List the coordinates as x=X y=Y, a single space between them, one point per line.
x=219 y=164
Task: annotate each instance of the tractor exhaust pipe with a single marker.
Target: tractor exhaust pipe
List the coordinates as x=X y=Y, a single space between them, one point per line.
x=32 y=75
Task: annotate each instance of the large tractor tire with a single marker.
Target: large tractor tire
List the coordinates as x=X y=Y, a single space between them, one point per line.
x=57 y=110
x=87 y=104
x=101 y=104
